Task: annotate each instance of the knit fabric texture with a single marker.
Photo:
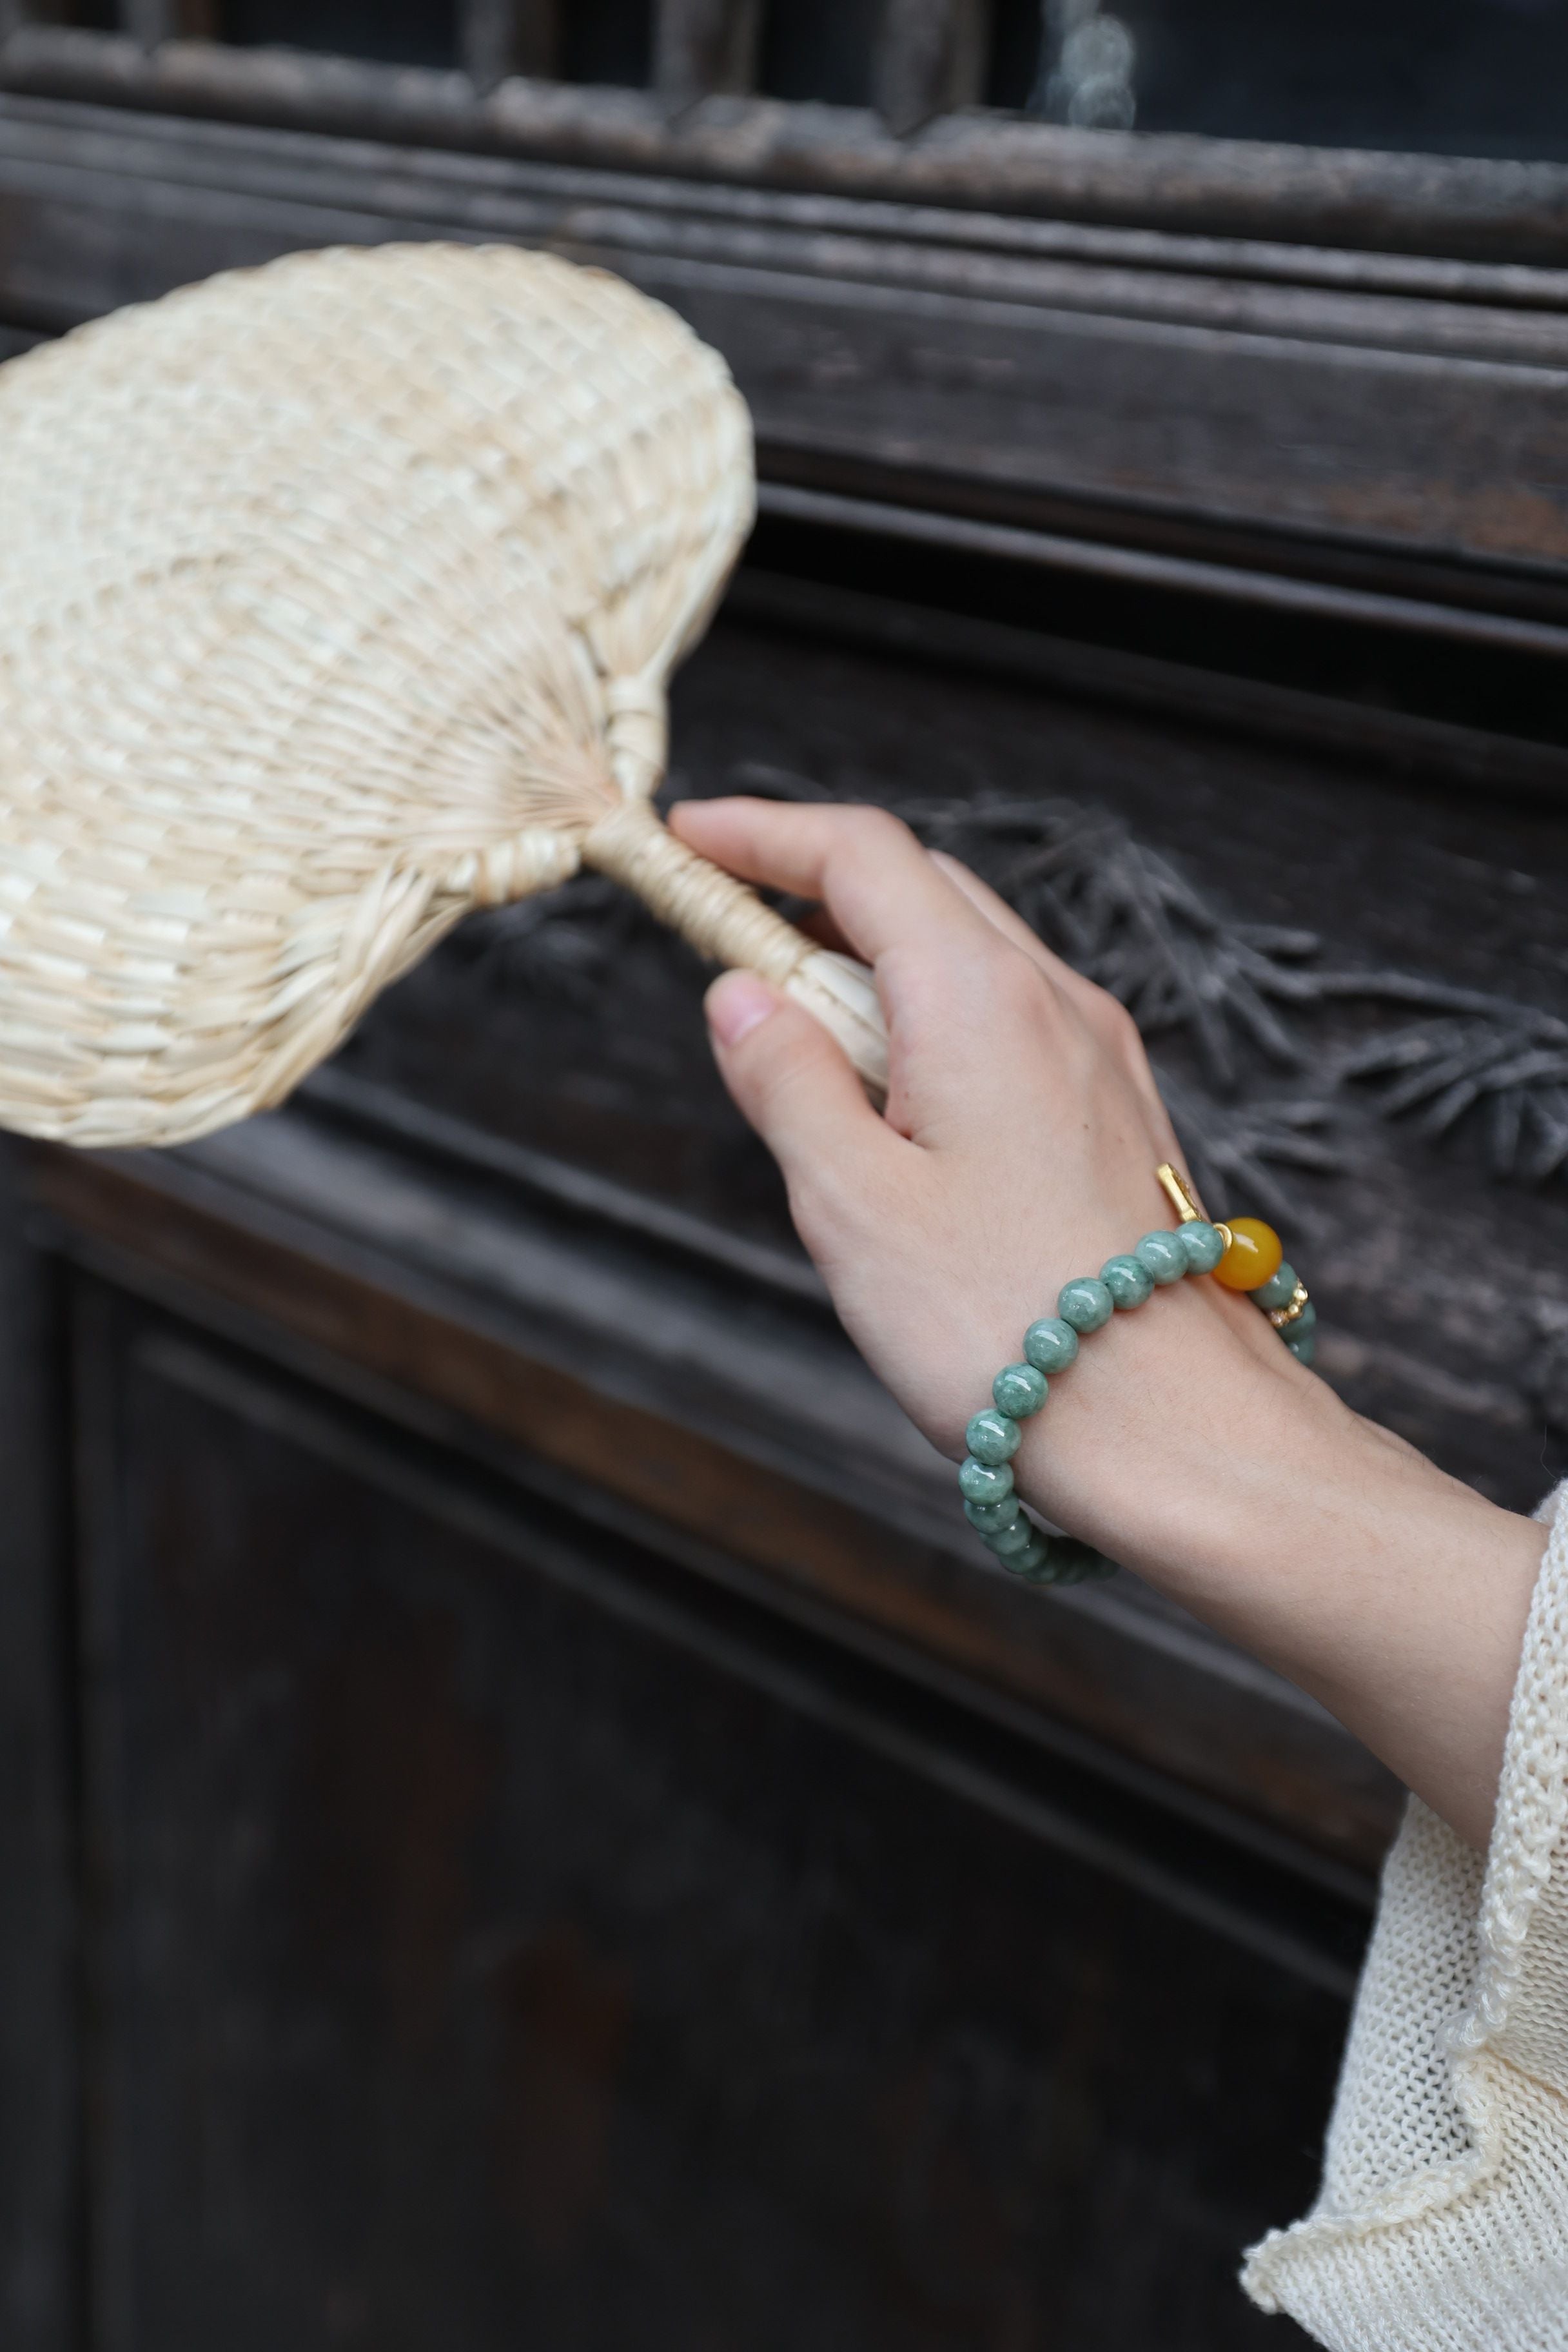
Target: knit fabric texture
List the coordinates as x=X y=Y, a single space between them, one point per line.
x=1442 y=2222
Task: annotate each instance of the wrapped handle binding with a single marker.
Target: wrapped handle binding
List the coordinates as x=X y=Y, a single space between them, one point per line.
x=726 y=921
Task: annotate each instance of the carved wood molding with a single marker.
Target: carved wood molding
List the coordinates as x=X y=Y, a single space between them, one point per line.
x=1273 y=1094
x=1238 y=992
x=1317 y=430
x=1362 y=201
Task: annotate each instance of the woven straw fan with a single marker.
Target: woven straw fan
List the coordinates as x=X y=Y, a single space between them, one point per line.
x=337 y=598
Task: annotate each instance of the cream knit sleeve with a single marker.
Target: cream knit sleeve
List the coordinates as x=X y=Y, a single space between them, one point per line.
x=1442 y=2222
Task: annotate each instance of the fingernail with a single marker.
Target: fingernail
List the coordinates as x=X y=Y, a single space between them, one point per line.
x=739 y=1002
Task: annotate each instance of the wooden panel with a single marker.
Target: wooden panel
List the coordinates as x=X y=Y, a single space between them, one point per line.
x=39 y=1986
x=495 y=1959
x=1449 y=746
x=1146 y=398
x=723 y=1438
x=1395 y=449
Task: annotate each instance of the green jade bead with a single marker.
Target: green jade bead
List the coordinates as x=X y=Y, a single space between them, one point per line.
x=1075 y=1562
x=1069 y=1574
x=1050 y=1344
x=1019 y=1390
x=1305 y=1347
x=1007 y=1542
x=1030 y=1561
x=1306 y=1321
x=1129 y=1281
x=1203 y=1244
x=992 y=1437
x=1164 y=1256
x=986 y=1518
x=1278 y=1291
x=983 y=1482
x=1085 y=1304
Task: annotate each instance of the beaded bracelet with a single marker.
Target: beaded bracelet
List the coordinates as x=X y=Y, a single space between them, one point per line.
x=1245 y=1255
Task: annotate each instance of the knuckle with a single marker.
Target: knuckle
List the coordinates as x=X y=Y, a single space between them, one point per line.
x=874 y=831
x=1120 y=1026
x=1135 y=1054
x=1111 y=1025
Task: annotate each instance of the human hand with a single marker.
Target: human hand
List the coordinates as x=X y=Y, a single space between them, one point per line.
x=1022 y=1130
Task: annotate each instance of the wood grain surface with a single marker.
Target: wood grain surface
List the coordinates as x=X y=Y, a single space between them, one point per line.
x=1451 y=206
x=493 y=1844
x=741 y=1444
x=492 y=1956
x=1144 y=383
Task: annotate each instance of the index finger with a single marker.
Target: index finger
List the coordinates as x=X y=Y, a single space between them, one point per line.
x=882 y=888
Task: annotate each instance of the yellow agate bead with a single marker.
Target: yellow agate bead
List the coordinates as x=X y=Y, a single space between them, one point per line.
x=1254 y=1257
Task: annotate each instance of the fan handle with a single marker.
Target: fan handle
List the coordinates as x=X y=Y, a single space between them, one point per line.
x=726 y=921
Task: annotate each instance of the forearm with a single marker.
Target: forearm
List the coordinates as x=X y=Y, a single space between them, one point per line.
x=1243 y=1489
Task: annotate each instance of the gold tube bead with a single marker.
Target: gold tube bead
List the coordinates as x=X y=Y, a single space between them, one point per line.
x=1179 y=1193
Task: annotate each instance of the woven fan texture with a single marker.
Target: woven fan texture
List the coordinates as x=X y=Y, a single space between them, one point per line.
x=334 y=598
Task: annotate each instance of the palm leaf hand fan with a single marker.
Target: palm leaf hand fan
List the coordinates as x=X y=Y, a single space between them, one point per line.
x=337 y=598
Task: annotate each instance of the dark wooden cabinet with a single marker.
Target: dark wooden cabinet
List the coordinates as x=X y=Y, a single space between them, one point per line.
x=495 y=1845
x=504 y=1936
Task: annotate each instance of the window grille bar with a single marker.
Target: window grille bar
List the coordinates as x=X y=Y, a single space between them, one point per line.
x=929 y=58
x=150 y=22
x=500 y=38
x=702 y=46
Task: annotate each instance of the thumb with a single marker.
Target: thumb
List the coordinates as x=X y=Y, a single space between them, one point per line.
x=788 y=1077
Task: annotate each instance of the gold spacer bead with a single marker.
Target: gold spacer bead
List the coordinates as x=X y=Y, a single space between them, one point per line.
x=1281 y=1316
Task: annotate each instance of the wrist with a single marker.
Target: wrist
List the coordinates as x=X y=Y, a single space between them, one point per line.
x=1240 y=1486
x=1163 y=1443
